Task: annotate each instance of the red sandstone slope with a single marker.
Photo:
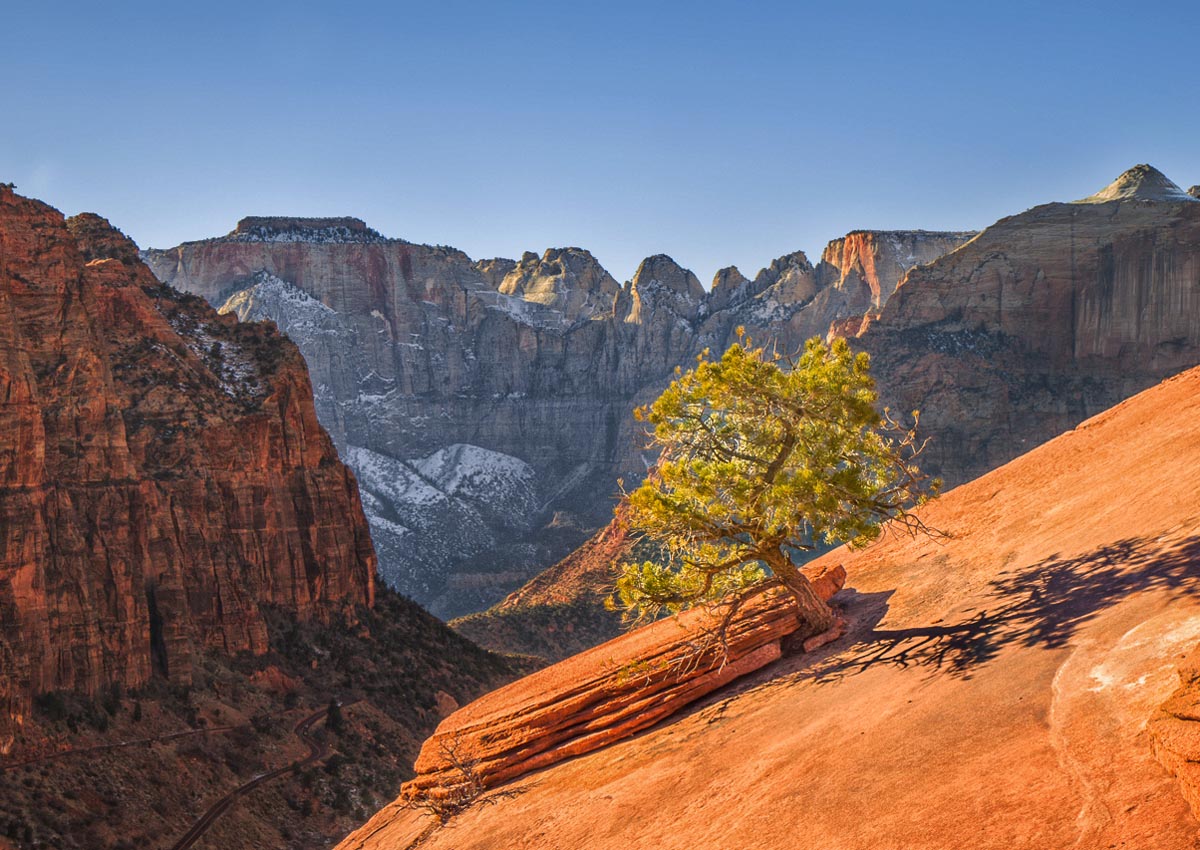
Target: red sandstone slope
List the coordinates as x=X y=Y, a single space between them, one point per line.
x=993 y=691
x=560 y=611
x=162 y=471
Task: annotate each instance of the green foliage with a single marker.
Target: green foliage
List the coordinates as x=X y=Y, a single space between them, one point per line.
x=763 y=457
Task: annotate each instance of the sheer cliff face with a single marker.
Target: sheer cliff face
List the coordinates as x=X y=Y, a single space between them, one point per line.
x=515 y=379
x=1044 y=319
x=870 y=264
x=163 y=473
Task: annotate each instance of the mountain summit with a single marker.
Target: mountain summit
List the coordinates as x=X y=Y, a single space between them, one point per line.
x=1140 y=183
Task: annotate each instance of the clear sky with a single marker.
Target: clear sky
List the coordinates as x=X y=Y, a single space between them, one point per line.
x=718 y=133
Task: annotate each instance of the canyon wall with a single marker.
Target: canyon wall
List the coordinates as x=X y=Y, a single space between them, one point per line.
x=1044 y=319
x=485 y=406
x=163 y=474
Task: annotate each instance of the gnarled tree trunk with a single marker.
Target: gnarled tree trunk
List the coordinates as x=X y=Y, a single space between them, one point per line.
x=812 y=609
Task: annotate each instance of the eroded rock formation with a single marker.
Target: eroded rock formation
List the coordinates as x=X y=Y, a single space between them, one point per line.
x=536 y=364
x=163 y=475
x=1175 y=731
x=609 y=692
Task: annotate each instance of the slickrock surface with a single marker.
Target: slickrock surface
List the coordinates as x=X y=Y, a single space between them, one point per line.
x=533 y=365
x=993 y=689
x=163 y=474
x=610 y=691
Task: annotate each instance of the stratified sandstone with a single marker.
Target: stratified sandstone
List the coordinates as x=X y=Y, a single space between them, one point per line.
x=163 y=475
x=609 y=692
x=1175 y=731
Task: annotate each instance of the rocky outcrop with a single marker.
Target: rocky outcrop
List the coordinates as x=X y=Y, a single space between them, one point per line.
x=869 y=264
x=1175 y=732
x=538 y=362
x=1044 y=319
x=569 y=281
x=1140 y=183
x=992 y=690
x=163 y=475
x=607 y=693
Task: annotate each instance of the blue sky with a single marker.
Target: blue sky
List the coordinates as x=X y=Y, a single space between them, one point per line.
x=718 y=133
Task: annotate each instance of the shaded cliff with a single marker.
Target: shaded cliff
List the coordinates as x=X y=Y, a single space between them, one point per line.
x=533 y=365
x=186 y=573
x=561 y=610
x=162 y=474
x=1044 y=319
x=992 y=691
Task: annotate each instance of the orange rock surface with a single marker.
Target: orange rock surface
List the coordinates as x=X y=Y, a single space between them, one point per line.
x=993 y=690
x=608 y=692
x=162 y=471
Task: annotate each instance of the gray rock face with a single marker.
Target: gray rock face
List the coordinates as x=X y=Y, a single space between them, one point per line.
x=1044 y=319
x=424 y=360
x=567 y=280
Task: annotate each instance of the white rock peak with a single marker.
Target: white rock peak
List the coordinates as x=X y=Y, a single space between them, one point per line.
x=1140 y=183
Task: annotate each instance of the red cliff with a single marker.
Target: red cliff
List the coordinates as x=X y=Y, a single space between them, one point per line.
x=162 y=472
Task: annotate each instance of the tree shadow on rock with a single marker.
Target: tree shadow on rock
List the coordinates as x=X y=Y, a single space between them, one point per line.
x=1041 y=605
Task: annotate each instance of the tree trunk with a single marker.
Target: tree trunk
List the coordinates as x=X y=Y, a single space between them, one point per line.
x=812 y=609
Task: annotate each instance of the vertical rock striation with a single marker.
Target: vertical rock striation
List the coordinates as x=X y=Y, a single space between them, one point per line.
x=163 y=474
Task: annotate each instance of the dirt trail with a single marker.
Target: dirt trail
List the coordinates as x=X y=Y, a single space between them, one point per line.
x=317 y=751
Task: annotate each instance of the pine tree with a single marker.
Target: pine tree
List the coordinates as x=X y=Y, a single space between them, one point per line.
x=761 y=459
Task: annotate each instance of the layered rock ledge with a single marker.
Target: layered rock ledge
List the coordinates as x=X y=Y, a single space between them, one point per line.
x=1175 y=732
x=607 y=693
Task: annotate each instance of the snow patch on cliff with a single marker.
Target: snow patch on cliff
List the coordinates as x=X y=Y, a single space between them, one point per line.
x=428 y=514
x=393 y=480
x=527 y=312
x=270 y=297
x=493 y=481
x=235 y=369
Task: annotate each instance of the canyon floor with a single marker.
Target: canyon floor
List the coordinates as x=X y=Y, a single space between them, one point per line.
x=993 y=689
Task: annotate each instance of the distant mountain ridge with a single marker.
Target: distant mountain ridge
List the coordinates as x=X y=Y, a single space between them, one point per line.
x=416 y=349
x=1002 y=339
x=1040 y=321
